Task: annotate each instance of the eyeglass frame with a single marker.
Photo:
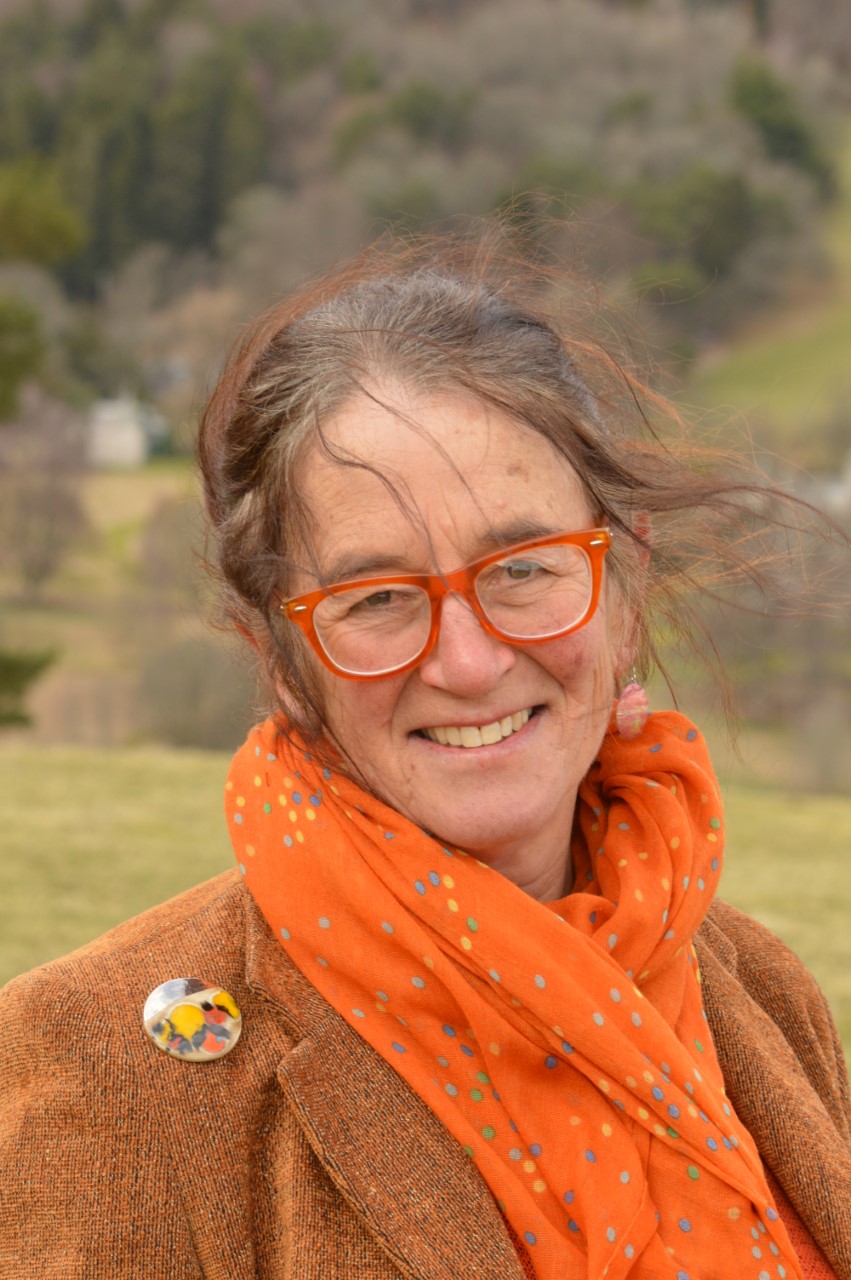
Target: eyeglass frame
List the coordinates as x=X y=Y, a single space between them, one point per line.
x=462 y=582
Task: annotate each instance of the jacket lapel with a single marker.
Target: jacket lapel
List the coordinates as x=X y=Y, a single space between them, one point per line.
x=388 y=1155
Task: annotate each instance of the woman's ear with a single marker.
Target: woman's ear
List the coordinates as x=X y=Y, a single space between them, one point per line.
x=297 y=693
x=267 y=662
x=642 y=527
x=248 y=636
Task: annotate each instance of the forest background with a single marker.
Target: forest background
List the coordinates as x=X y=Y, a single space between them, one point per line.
x=169 y=167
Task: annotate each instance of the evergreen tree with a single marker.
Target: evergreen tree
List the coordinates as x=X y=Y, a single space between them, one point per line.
x=17 y=672
x=37 y=224
x=208 y=145
x=762 y=97
x=21 y=351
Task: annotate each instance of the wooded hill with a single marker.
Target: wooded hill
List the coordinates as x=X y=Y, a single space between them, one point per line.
x=167 y=166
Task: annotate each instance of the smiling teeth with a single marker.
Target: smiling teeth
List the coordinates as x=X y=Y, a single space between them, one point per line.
x=485 y=735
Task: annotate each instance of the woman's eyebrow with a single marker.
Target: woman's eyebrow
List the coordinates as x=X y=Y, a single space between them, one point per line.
x=364 y=564
x=361 y=564
x=512 y=532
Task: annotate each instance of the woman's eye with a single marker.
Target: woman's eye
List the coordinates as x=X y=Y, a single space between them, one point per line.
x=360 y=602
x=521 y=570
x=384 y=600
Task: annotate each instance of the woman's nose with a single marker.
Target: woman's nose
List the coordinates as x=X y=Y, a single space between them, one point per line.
x=466 y=660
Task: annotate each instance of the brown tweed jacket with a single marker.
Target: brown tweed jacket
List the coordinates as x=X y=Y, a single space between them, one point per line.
x=301 y=1155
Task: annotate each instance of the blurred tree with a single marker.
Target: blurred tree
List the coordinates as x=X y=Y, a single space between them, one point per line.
x=353 y=133
x=633 y=106
x=360 y=73
x=411 y=206
x=761 y=96
x=120 y=159
x=29 y=115
x=105 y=145
x=288 y=48
x=157 y=114
x=17 y=672
x=196 y=694
x=209 y=144
x=440 y=8
x=707 y=215
x=668 y=281
x=97 y=20
x=36 y=222
x=42 y=520
x=430 y=115
x=168 y=551
x=21 y=350
x=828 y=35
x=30 y=33
x=760 y=15
x=100 y=365
x=546 y=185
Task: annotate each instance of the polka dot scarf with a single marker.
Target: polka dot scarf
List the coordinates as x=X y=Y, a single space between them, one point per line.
x=564 y=1044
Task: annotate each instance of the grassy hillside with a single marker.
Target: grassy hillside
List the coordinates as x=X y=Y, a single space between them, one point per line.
x=92 y=837
x=789 y=373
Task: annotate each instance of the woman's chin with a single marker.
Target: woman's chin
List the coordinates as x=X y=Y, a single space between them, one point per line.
x=505 y=827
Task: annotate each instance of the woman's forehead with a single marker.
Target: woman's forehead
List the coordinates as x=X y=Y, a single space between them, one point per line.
x=448 y=476
x=452 y=438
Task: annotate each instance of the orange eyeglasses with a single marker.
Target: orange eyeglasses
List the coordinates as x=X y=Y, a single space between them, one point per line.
x=525 y=594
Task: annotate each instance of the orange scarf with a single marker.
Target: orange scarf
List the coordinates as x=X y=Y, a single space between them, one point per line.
x=563 y=1045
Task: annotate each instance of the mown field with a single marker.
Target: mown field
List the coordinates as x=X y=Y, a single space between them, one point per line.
x=91 y=837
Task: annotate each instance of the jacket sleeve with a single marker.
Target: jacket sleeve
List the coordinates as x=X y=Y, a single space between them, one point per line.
x=84 y=1168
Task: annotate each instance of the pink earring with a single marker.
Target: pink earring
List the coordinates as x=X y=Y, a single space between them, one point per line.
x=632 y=709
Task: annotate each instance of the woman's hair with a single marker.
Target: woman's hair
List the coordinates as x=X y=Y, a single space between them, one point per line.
x=453 y=315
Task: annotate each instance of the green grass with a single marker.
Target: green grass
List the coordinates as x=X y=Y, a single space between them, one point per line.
x=791 y=369
x=787 y=864
x=92 y=837
x=793 y=381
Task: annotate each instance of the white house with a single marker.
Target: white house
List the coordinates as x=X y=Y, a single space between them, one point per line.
x=123 y=432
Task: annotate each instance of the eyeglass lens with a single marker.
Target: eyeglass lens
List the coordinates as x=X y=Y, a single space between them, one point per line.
x=528 y=595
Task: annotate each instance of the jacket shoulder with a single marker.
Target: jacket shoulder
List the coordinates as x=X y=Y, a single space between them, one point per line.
x=98 y=1126
x=744 y=964
x=765 y=966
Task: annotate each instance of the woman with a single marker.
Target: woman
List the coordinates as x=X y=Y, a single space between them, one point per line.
x=476 y=1013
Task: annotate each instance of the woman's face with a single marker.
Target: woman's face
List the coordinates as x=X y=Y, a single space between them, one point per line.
x=476 y=481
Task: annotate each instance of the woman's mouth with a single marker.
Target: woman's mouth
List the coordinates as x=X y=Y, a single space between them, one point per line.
x=484 y=735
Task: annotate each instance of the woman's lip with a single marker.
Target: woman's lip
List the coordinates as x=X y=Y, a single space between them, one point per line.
x=530 y=713
x=478 y=722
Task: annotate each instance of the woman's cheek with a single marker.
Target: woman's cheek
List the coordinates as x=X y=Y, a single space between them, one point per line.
x=582 y=664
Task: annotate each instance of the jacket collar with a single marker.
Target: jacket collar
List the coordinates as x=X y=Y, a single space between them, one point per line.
x=394 y=1162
